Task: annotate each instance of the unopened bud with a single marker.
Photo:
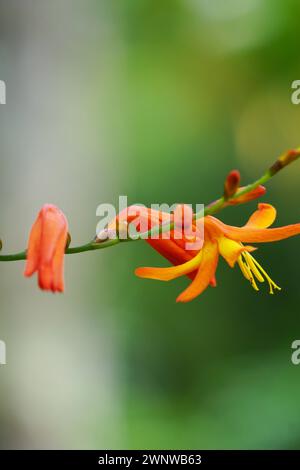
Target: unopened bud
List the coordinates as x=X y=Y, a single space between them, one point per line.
x=284 y=160
x=254 y=194
x=231 y=184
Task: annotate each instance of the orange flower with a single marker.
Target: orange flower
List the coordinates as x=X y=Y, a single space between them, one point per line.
x=224 y=240
x=46 y=248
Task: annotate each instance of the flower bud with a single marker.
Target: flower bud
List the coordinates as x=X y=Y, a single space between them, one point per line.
x=254 y=194
x=284 y=160
x=46 y=248
x=231 y=184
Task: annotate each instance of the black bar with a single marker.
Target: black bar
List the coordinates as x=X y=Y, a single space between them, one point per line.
x=133 y=458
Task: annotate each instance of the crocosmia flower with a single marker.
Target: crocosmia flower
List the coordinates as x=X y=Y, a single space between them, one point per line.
x=46 y=248
x=224 y=240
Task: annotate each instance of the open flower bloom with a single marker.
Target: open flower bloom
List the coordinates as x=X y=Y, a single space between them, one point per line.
x=46 y=248
x=224 y=240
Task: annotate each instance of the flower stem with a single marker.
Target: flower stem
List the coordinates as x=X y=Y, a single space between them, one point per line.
x=210 y=209
x=14 y=257
x=69 y=251
x=92 y=246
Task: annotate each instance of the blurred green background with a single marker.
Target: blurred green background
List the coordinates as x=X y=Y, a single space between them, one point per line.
x=156 y=100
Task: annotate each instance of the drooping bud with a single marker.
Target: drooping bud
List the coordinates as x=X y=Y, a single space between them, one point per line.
x=284 y=160
x=231 y=184
x=46 y=248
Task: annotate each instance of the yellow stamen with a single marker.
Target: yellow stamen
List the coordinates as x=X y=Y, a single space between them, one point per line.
x=247 y=272
x=244 y=268
x=272 y=284
x=252 y=267
x=249 y=267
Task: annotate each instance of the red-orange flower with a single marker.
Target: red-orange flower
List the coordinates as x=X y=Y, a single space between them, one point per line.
x=46 y=248
x=219 y=239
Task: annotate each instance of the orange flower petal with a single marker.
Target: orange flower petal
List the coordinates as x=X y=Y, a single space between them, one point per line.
x=32 y=257
x=166 y=274
x=52 y=226
x=170 y=250
x=256 y=235
x=204 y=274
x=58 y=264
x=45 y=276
x=263 y=217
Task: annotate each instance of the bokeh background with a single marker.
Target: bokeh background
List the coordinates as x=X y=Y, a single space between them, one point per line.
x=156 y=100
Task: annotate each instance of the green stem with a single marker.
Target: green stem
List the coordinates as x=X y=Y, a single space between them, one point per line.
x=91 y=246
x=69 y=251
x=14 y=257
